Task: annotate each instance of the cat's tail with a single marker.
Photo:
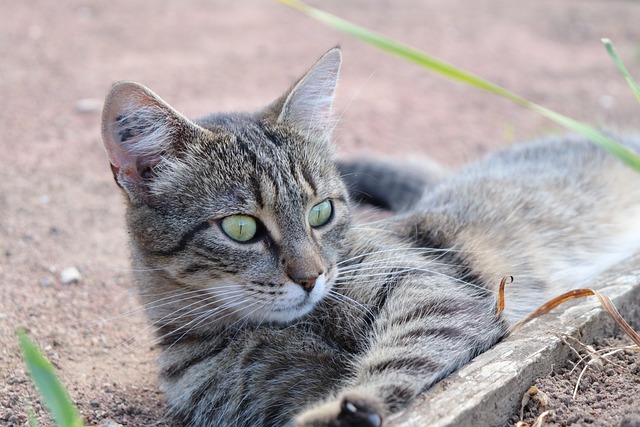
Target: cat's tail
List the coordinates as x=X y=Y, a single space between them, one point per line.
x=391 y=184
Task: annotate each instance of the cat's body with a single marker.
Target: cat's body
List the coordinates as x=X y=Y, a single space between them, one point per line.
x=273 y=309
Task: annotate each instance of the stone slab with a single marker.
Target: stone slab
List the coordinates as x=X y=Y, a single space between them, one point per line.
x=487 y=391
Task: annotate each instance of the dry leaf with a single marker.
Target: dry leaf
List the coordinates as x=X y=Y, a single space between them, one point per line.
x=540 y=420
x=535 y=395
x=580 y=293
x=503 y=282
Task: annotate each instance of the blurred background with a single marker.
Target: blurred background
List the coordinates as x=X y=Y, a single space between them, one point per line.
x=59 y=207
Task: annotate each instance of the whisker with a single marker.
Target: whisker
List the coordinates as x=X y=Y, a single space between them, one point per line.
x=355 y=95
x=180 y=291
x=175 y=315
x=352 y=280
x=389 y=268
x=201 y=319
x=411 y=250
x=343 y=298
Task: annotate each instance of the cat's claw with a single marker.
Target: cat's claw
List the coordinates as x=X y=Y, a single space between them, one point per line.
x=351 y=411
x=358 y=414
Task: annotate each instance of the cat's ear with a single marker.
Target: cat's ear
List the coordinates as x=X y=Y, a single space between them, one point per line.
x=308 y=104
x=139 y=131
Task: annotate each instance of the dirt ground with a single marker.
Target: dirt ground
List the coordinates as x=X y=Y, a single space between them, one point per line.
x=59 y=206
x=599 y=386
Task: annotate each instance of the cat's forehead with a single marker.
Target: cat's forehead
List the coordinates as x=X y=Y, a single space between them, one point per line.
x=244 y=134
x=243 y=160
x=251 y=146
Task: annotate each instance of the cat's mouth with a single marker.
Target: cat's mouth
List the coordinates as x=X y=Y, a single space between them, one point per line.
x=296 y=302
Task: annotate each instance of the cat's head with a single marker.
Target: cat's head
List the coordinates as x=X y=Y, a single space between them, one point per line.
x=241 y=215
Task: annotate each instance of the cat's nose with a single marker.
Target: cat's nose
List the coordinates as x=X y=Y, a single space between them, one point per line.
x=303 y=264
x=308 y=282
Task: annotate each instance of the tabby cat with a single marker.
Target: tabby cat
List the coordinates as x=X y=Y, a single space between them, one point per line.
x=274 y=308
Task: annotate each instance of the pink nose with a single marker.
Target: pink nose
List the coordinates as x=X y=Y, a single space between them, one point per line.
x=307 y=283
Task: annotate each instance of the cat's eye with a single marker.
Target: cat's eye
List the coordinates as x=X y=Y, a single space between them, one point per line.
x=240 y=228
x=320 y=214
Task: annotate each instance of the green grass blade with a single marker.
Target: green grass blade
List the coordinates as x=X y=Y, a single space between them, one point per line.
x=616 y=60
x=31 y=417
x=49 y=386
x=452 y=72
x=414 y=55
x=627 y=157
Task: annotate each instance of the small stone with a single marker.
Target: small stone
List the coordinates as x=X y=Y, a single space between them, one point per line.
x=34 y=32
x=88 y=105
x=70 y=275
x=109 y=423
x=573 y=419
x=607 y=101
x=631 y=420
x=45 y=282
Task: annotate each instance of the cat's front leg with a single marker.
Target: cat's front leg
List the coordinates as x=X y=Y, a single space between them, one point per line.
x=351 y=410
x=428 y=327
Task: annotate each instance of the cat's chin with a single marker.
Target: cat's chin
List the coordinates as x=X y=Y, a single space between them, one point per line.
x=288 y=316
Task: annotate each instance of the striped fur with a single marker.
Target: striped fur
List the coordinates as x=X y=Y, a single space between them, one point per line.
x=395 y=306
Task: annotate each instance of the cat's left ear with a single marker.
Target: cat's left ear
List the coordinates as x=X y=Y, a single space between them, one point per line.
x=308 y=105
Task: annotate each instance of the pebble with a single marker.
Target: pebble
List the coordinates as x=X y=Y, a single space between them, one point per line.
x=631 y=420
x=88 y=105
x=70 y=275
x=607 y=101
x=34 y=32
x=109 y=423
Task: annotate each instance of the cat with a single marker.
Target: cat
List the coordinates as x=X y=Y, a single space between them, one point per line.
x=275 y=306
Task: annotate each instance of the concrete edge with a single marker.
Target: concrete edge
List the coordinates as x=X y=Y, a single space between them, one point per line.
x=488 y=390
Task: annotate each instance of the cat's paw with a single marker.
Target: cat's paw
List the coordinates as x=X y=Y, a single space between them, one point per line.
x=350 y=411
x=356 y=412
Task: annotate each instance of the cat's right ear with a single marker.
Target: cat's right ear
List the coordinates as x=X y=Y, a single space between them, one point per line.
x=139 y=131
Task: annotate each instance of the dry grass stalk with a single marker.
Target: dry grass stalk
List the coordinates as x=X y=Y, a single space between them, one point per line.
x=503 y=282
x=574 y=294
x=535 y=395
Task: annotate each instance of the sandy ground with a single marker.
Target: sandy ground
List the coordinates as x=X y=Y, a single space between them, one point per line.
x=599 y=386
x=59 y=207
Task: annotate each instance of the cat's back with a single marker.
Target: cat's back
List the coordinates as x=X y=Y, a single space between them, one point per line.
x=566 y=176
x=554 y=213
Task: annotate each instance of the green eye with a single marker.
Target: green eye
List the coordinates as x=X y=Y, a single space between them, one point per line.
x=320 y=214
x=240 y=228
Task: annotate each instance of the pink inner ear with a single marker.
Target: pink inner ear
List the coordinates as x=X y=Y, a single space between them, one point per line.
x=124 y=98
x=146 y=123
x=117 y=155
